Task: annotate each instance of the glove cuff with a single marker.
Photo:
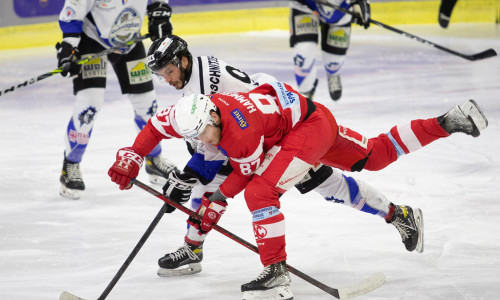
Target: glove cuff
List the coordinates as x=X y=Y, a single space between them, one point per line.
x=73 y=41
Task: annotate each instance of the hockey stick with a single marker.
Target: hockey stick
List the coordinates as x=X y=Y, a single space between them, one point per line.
x=481 y=55
x=80 y=62
x=68 y=296
x=361 y=288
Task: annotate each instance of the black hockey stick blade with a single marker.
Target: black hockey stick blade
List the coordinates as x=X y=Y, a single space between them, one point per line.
x=366 y=286
x=68 y=296
x=485 y=54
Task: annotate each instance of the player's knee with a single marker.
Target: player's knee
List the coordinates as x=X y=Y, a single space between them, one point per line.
x=259 y=195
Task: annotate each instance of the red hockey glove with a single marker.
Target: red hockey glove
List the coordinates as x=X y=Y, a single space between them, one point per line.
x=210 y=211
x=127 y=166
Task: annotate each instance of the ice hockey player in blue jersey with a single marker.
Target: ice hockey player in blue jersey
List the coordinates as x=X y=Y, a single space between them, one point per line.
x=89 y=27
x=312 y=23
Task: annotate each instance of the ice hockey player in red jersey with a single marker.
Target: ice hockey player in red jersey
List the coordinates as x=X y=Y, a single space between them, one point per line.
x=170 y=60
x=272 y=136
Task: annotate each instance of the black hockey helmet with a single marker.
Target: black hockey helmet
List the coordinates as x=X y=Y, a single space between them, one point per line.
x=168 y=49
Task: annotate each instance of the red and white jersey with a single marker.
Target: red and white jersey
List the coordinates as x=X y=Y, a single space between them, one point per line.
x=252 y=123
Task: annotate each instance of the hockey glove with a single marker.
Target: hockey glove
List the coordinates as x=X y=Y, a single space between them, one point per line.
x=127 y=166
x=159 y=20
x=213 y=206
x=67 y=55
x=362 y=12
x=178 y=188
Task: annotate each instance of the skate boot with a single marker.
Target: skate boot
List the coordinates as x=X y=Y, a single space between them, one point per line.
x=158 y=169
x=188 y=256
x=467 y=118
x=272 y=283
x=334 y=86
x=410 y=224
x=310 y=94
x=71 y=180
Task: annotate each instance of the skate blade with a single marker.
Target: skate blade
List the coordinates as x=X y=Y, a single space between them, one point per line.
x=419 y=219
x=69 y=193
x=189 y=270
x=473 y=112
x=281 y=292
x=155 y=179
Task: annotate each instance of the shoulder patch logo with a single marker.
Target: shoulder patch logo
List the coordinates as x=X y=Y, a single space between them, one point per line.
x=240 y=119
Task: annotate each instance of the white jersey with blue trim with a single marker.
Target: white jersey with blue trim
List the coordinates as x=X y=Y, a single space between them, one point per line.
x=109 y=22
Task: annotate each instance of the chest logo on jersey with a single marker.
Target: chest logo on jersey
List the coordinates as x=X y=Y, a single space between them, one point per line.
x=125 y=27
x=138 y=72
x=240 y=119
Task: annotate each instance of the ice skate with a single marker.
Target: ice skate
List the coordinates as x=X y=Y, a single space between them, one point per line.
x=410 y=224
x=185 y=261
x=467 y=118
x=334 y=86
x=272 y=284
x=71 y=180
x=310 y=94
x=158 y=169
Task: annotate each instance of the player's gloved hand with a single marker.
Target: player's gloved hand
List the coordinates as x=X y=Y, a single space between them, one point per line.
x=362 y=12
x=127 y=166
x=213 y=206
x=178 y=188
x=67 y=55
x=159 y=20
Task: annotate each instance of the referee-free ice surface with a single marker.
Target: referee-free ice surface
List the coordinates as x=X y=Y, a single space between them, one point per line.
x=49 y=244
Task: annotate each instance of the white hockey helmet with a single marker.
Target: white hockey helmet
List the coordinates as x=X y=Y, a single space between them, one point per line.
x=192 y=114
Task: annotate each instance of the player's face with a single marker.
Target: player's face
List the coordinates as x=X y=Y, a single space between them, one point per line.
x=172 y=75
x=210 y=135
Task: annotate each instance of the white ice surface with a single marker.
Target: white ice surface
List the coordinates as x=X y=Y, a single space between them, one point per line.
x=49 y=244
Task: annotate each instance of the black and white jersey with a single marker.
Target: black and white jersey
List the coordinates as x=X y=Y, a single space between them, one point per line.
x=211 y=75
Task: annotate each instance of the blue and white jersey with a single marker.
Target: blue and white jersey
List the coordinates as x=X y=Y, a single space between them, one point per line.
x=325 y=13
x=109 y=22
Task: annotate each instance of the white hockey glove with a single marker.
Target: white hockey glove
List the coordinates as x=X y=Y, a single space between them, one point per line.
x=178 y=188
x=362 y=12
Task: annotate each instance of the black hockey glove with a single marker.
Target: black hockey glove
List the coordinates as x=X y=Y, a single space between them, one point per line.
x=361 y=10
x=159 y=20
x=67 y=55
x=178 y=188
